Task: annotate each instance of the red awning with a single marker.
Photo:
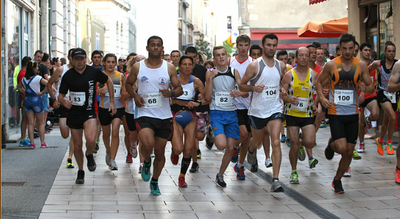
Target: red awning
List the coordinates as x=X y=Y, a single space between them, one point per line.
x=316 y=1
x=324 y=28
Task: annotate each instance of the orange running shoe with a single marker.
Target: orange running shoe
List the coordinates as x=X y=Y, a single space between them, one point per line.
x=397 y=175
x=389 y=149
x=380 y=147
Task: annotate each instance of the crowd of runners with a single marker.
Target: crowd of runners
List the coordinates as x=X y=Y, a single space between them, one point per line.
x=238 y=104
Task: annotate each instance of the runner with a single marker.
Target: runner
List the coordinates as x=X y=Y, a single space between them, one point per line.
x=110 y=123
x=386 y=100
x=344 y=74
x=80 y=81
x=394 y=87
x=60 y=110
x=265 y=75
x=299 y=108
x=97 y=58
x=153 y=118
x=220 y=90
x=184 y=115
x=240 y=63
x=255 y=51
x=175 y=56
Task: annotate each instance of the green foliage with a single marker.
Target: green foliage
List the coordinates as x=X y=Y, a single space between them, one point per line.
x=204 y=47
x=229 y=50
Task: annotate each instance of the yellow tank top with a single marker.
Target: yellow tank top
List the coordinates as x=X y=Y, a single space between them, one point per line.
x=303 y=89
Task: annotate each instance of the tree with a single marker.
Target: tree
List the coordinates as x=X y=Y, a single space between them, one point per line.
x=204 y=47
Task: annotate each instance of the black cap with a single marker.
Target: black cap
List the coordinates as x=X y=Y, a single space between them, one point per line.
x=78 y=52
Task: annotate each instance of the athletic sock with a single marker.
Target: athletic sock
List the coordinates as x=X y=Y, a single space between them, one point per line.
x=380 y=140
x=185 y=164
x=155 y=180
x=311 y=158
x=390 y=141
x=240 y=165
x=275 y=179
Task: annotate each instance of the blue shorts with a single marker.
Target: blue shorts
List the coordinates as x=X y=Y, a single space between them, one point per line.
x=33 y=104
x=45 y=99
x=184 y=118
x=225 y=122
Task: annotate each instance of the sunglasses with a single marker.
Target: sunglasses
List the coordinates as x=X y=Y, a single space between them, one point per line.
x=121 y=60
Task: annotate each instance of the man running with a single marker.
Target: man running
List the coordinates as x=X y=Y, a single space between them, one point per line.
x=220 y=90
x=153 y=117
x=387 y=100
x=299 y=110
x=344 y=74
x=240 y=63
x=394 y=86
x=265 y=110
x=61 y=110
x=81 y=81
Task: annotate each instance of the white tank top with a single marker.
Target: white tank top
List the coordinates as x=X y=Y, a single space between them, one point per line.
x=240 y=102
x=223 y=83
x=150 y=81
x=268 y=102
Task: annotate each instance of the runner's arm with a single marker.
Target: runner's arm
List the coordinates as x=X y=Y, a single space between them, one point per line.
x=322 y=81
x=130 y=81
x=394 y=86
x=174 y=81
x=250 y=73
x=238 y=79
x=366 y=79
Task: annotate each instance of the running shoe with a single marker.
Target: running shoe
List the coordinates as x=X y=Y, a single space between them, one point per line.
x=312 y=162
x=152 y=155
x=44 y=145
x=235 y=155
x=113 y=165
x=129 y=158
x=80 y=179
x=329 y=153
x=389 y=149
x=337 y=186
x=69 y=163
x=133 y=151
x=356 y=156
x=254 y=167
x=288 y=142
x=96 y=148
x=361 y=147
x=146 y=171
x=220 y=180
x=32 y=145
x=276 y=186
x=268 y=162
x=347 y=173
x=140 y=168
x=174 y=158
x=294 y=177
x=198 y=154
x=283 y=139
x=195 y=167
x=240 y=172
x=91 y=164
x=251 y=156
x=397 y=176
x=108 y=158
x=154 y=190
x=181 y=182
x=302 y=153
x=380 y=147
x=368 y=125
x=323 y=124
x=209 y=138
x=24 y=143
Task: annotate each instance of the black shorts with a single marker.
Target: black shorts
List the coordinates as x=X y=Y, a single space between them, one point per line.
x=259 y=123
x=61 y=112
x=105 y=117
x=344 y=127
x=367 y=101
x=299 y=121
x=130 y=121
x=243 y=118
x=76 y=118
x=162 y=127
x=382 y=98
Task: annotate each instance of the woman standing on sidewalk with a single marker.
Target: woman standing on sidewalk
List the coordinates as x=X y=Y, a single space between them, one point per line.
x=184 y=116
x=33 y=105
x=105 y=117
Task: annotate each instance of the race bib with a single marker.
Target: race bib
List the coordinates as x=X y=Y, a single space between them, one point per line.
x=187 y=95
x=223 y=99
x=78 y=98
x=344 y=97
x=390 y=96
x=302 y=105
x=117 y=91
x=270 y=92
x=152 y=100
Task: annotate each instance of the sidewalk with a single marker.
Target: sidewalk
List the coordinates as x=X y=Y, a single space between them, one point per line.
x=371 y=192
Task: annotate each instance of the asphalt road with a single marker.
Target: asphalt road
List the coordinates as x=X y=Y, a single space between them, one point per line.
x=33 y=171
